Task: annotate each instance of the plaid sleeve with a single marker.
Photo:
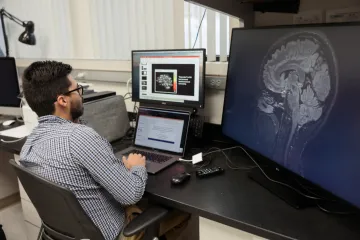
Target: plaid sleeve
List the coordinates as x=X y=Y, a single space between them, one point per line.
x=95 y=154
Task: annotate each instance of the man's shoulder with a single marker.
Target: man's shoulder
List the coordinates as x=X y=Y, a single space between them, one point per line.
x=80 y=130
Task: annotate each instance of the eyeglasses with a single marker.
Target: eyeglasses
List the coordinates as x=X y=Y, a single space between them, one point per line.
x=79 y=89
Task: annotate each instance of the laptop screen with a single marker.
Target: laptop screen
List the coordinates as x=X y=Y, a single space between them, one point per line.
x=162 y=129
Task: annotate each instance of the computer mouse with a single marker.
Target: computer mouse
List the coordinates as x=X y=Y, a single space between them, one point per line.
x=8 y=123
x=180 y=178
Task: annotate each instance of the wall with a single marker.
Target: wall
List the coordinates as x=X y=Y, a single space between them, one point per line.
x=269 y=19
x=118 y=72
x=214 y=98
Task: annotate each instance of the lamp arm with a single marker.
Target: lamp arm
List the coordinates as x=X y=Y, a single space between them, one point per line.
x=3 y=12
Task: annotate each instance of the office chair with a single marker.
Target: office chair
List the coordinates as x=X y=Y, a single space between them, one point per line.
x=63 y=218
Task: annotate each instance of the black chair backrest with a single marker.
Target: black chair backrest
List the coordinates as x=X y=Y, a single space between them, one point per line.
x=62 y=215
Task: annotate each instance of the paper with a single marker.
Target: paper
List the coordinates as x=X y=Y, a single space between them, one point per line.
x=18 y=132
x=197 y=158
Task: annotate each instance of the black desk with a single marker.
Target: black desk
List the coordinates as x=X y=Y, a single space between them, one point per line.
x=234 y=200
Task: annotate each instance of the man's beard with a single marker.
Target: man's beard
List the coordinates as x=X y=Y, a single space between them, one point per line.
x=77 y=111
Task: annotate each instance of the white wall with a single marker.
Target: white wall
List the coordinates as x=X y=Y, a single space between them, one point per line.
x=268 y=19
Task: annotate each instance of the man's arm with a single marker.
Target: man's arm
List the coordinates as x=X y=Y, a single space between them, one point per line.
x=95 y=154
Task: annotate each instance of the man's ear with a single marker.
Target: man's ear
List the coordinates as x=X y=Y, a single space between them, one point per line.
x=62 y=101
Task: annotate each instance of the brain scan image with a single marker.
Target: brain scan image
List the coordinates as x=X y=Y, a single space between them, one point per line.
x=298 y=84
x=165 y=81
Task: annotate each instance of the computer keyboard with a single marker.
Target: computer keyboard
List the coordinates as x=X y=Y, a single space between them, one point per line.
x=153 y=157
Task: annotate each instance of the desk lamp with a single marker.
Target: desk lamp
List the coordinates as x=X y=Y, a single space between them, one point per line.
x=26 y=37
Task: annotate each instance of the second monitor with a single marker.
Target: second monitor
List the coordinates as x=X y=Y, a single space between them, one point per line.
x=169 y=77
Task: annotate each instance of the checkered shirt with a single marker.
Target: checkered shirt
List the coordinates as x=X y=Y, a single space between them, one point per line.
x=78 y=158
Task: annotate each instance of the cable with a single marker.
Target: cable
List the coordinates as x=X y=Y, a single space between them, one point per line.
x=22 y=113
x=135 y=110
x=278 y=182
x=13 y=141
x=184 y=160
x=197 y=35
x=234 y=167
x=127 y=85
x=218 y=150
x=331 y=212
x=312 y=192
x=257 y=165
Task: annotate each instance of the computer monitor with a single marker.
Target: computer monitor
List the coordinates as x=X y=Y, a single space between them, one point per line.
x=169 y=77
x=292 y=96
x=9 y=90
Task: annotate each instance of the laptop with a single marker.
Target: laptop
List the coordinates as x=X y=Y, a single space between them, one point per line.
x=160 y=136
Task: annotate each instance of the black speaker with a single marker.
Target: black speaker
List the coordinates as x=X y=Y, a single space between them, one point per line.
x=281 y=6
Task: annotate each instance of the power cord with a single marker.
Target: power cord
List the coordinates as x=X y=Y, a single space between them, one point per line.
x=333 y=212
x=128 y=84
x=229 y=163
x=278 y=182
x=135 y=110
x=316 y=197
x=197 y=35
x=258 y=166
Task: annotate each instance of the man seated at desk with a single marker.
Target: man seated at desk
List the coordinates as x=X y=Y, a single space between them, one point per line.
x=74 y=155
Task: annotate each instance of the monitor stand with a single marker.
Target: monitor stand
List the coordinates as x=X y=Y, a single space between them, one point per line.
x=290 y=196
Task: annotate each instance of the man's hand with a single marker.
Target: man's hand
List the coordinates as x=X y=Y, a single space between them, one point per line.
x=134 y=160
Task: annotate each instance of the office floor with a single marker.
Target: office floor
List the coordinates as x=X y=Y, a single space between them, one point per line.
x=13 y=222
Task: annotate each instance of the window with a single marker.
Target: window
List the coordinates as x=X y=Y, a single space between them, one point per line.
x=110 y=30
x=193 y=15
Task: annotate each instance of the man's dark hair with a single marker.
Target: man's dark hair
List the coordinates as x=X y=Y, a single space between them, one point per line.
x=43 y=82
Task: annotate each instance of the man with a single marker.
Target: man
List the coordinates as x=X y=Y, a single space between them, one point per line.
x=75 y=156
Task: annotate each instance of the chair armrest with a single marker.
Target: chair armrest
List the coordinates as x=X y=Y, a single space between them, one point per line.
x=147 y=218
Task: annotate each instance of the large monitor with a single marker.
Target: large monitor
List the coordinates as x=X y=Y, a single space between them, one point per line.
x=292 y=95
x=9 y=90
x=169 y=77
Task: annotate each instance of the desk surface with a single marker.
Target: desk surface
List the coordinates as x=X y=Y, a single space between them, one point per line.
x=235 y=200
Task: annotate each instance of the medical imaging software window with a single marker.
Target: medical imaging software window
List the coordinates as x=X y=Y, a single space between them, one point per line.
x=169 y=78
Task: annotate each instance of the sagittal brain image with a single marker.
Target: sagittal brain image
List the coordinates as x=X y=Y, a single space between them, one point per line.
x=298 y=82
x=165 y=82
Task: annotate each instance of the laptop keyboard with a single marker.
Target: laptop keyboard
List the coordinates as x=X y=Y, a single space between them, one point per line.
x=153 y=157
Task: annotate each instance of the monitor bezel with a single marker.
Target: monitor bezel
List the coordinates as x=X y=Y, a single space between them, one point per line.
x=180 y=154
x=273 y=164
x=12 y=110
x=199 y=104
